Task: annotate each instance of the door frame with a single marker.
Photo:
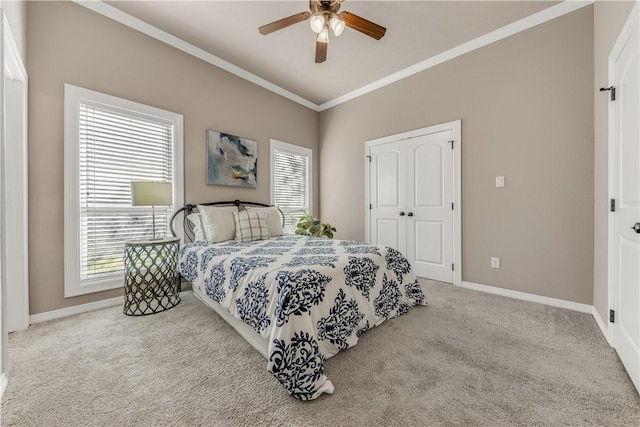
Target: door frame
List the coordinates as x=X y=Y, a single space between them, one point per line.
x=14 y=213
x=456 y=127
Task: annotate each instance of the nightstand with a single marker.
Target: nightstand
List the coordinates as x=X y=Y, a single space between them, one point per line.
x=151 y=280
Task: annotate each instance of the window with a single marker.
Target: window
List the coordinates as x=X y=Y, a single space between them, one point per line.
x=110 y=142
x=291 y=182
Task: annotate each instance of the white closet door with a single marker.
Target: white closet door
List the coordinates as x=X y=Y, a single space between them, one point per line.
x=429 y=209
x=387 y=189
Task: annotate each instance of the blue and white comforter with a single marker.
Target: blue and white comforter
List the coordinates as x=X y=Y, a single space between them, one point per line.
x=309 y=297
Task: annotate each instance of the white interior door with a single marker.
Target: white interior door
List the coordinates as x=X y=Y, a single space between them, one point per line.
x=429 y=205
x=626 y=219
x=387 y=195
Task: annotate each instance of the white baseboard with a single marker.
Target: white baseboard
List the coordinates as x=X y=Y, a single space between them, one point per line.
x=76 y=309
x=603 y=325
x=554 y=302
x=3 y=383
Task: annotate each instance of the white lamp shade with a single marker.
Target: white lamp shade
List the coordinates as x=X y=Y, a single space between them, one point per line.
x=151 y=193
x=317 y=22
x=337 y=24
x=323 y=36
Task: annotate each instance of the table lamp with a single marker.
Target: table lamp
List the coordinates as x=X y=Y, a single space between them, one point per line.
x=151 y=193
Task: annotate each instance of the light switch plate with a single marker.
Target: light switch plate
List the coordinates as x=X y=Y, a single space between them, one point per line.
x=495 y=262
x=499 y=181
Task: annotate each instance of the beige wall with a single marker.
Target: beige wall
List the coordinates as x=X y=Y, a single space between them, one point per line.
x=70 y=44
x=526 y=105
x=16 y=12
x=608 y=19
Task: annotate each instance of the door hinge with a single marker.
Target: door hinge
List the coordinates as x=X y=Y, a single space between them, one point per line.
x=612 y=89
x=453 y=267
x=612 y=205
x=612 y=316
x=369 y=206
x=451 y=142
x=451 y=206
x=369 y=157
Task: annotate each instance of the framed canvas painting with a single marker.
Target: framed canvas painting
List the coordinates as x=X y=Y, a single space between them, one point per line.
x=231 y=160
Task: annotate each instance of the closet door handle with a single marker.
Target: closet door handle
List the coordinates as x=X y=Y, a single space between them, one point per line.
x=401 y=213
x=410 y=214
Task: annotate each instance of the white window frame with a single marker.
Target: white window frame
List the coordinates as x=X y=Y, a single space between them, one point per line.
x=73 y=95
x=294 y=149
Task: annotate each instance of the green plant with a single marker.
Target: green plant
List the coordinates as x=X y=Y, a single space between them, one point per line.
x=311 y=226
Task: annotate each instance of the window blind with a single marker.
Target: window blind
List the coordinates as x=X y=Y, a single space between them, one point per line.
x=291 y=186
x=118 y=146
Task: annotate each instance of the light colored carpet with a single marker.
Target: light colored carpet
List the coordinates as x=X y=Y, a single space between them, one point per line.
x=467 y=359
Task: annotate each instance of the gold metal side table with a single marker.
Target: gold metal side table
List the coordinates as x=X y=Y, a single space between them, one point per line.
x=151 y=280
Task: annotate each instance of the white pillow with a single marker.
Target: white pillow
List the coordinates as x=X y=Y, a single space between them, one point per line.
x=251 y=225
x=198 y=228
x=218 y=222
x=274 y=220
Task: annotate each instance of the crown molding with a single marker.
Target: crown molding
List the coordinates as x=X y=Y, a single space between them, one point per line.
x=523 y=24
x=161 y=35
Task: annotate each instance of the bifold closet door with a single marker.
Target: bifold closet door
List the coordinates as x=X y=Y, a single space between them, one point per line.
x=429 y=205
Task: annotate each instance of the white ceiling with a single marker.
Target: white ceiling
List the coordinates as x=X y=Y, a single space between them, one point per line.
x=416 y=31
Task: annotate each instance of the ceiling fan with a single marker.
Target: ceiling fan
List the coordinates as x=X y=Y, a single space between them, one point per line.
x=324 y=14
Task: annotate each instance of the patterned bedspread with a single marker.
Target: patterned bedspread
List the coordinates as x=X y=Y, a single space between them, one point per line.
x=309 y=297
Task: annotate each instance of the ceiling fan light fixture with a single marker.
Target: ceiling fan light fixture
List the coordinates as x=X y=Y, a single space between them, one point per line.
x=317 y=22
x=337 y=24
x=323 y=35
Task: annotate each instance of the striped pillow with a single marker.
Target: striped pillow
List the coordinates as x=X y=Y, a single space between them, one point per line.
x=198 y=227
x=251 y=225
x=217 y=222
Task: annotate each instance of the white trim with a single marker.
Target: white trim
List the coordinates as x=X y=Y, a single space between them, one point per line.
x=81 y=308
x=75 y=309
x=456 y=127
x=3 y=383
x=538 y=18
x=457 y=211
x=158 y=34
x=494 y=36
x=275 y=144
x=14 y=68
x=16 y=173
x=604 y=328
x=553 y=302
x=73 y=285
x=4 y=335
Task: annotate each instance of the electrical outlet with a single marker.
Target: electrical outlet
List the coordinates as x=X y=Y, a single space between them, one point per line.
x=495 y=262
x=499 y=181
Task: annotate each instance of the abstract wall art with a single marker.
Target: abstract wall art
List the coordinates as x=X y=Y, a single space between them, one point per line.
x=231 y=160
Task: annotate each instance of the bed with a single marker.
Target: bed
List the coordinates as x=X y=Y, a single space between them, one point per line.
x=298 y=300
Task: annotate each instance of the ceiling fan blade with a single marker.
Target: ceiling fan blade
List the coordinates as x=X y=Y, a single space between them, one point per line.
x=364 y=26
x=321 y=52
x=283 y=23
